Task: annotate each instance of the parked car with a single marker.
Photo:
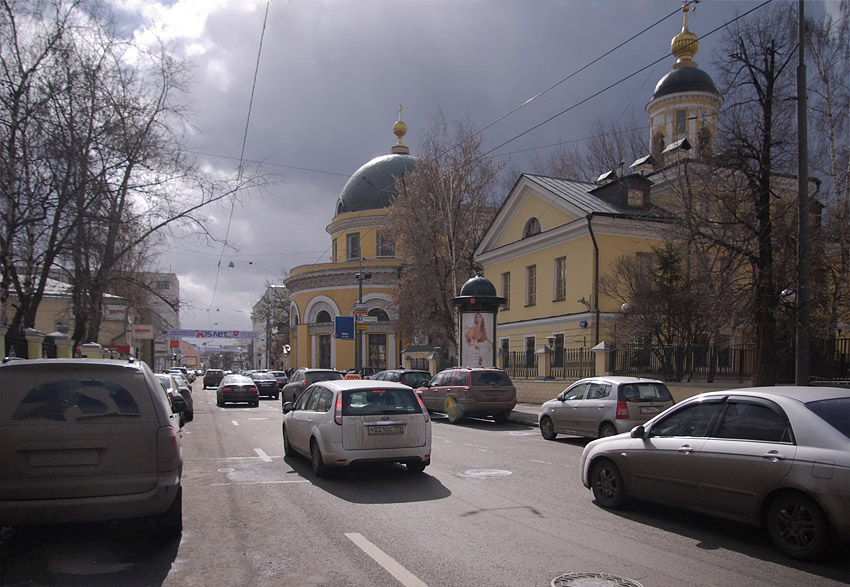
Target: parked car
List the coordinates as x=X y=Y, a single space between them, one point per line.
x=189 y=376
x=775 y=456
x=213 y=377
x=603 y=406
x=470 y=391
x=304 y=377
x=337 y=423
x=266 y=383
x=237 y=388
x=281 y=377
x=409 y=377
x=186 y=391
x=69 y=428
x=364 y=372
x=172 y=387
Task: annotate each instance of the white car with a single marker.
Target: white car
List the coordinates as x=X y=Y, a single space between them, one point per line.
x=341 y=422
x=775 y=456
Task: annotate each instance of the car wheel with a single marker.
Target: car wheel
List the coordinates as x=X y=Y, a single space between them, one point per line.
x=547 y=428
x=453 y=410
x=417 y=466
x=287 y=448
x=170 y=523
x=256 y=403
x=274 y=396
x=190 y=416
x=320 y=469
x=502 y=418
x=607 y=429
x=607 y=484
x=798 y=527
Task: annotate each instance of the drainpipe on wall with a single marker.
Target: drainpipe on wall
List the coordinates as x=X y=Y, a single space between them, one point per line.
x=595 y=278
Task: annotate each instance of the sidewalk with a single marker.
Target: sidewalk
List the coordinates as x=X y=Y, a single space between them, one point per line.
x=525 y=414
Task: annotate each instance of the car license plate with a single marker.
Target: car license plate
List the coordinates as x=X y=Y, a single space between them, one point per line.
x=386 y=429
x=649 y=410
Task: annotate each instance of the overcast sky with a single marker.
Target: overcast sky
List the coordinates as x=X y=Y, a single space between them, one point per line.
x=331 y=76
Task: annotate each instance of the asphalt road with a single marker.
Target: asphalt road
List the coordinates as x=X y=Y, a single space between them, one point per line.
x=499 y=506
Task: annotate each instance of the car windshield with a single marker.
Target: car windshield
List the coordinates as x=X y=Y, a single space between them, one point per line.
x=490 y=378
x=835 y=412
x=263 y=377
x=370 y=402
x=646 y=392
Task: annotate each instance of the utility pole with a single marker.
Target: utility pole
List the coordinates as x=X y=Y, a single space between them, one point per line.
x=803 y=246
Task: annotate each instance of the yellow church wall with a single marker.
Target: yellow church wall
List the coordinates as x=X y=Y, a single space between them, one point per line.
x=534 y=207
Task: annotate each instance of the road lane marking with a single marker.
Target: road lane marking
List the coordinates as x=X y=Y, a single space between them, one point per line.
x=235 y=423
x=403 y=576
x=263 y=455
x=259 y=483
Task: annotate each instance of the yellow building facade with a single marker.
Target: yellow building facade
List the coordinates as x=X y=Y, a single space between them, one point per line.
x=553 y=240
x=359 y=278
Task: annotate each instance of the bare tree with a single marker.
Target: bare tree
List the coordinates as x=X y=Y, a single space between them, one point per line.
x=829 y=114
x=610 y=145
x=95 y=162
x=442 y=210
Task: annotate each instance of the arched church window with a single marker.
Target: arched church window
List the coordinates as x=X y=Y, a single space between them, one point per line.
x=323 y=317
x=532 y=227
x=380 y=314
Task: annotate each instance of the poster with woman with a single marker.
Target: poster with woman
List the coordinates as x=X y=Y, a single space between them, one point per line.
x=477 y=339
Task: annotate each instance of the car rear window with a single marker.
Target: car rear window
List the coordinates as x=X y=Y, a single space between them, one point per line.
x=72 y=398
x=835 y=412
x=645 y=392
x=490 y=378
x=327 y=376
x=379 y=402
x=415 y=379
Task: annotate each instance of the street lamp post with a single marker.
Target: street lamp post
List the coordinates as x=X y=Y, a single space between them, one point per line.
x=358 y=345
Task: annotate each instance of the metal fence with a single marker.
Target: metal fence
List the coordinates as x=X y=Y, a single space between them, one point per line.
x=521 y=365
x=829 y=360
x=573 y=364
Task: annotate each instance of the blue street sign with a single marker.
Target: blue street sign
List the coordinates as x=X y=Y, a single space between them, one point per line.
x=344 y=327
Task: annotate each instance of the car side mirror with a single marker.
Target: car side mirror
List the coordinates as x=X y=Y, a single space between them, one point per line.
x=178 y=404
x=638 y=432
x=287 y=407
x=561 y=397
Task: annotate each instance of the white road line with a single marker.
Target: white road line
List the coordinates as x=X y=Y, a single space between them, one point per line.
x=235 y=423
x=259 y=482
x=404 y=576
x=263 y=455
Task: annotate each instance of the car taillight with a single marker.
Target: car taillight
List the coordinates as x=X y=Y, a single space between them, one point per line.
x=226 y=388
x=254 y=389
x=167 y=447
x=304 y=383
x=423 y=408
x=338 y=411
x=622 y=411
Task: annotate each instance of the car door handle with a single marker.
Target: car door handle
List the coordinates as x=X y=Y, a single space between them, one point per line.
x=774 y=456
x=685 y=449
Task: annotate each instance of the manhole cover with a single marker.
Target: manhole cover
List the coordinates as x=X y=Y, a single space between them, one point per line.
x=593 y=580
x=484 y=473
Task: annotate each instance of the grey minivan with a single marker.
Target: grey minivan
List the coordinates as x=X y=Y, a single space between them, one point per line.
x=603 y=406
x=88 y=440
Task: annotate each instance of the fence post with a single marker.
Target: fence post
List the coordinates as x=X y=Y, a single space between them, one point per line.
x=64 y=345
x=603 y=358
x=544 y=362
x=3 y=330
x=34 y=342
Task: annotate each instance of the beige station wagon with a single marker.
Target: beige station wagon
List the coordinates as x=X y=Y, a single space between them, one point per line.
x=87 y=440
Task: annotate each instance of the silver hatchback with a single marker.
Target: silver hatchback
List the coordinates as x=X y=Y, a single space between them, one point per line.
x=603 y=406
x=338 y=423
